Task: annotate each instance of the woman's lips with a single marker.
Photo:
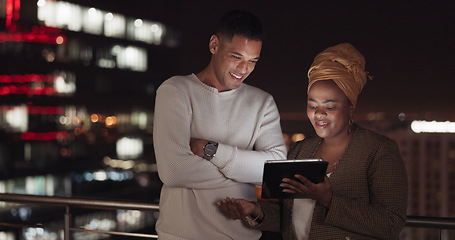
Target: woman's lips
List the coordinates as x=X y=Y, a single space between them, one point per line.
x=321 y=124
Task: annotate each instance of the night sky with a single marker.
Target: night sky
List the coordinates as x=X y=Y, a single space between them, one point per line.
x=408 y=46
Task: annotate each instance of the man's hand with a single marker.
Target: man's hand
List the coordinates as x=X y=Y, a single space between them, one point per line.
x=240 y=208
x=197 y=146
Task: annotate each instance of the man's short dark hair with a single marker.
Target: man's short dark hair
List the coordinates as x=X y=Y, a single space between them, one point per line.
x=242 y=23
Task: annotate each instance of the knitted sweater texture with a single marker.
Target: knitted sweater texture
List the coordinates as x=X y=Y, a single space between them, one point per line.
x=246 y=124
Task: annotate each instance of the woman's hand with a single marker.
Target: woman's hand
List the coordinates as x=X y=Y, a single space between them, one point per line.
x=240 y=208
x=321 y=192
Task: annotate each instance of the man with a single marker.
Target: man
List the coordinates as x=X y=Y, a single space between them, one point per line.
x=212 y=134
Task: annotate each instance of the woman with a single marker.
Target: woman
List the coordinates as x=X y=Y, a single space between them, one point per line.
x=364 y=195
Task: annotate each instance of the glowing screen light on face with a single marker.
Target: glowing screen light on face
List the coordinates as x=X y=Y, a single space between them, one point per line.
x=433 y=127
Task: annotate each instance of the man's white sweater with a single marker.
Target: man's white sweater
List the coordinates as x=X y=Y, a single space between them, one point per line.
x=246 y=124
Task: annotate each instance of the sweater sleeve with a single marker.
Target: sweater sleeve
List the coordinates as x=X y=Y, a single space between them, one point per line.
x=247 y=165
x=384 y=215
x=177 y=165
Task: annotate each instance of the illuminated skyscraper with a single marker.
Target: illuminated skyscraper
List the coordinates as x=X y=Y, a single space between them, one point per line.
x=430 y=164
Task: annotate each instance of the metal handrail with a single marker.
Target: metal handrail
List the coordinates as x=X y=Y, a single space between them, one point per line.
x=430 y=222
x=412 y=221
x=68 y=202
x=77 y=202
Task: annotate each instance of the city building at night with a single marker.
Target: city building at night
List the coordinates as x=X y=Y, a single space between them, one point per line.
x=78 y=81
x=77 y=87
x=430 y=164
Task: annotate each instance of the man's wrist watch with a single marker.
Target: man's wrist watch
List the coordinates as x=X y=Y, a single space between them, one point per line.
x=210 y=150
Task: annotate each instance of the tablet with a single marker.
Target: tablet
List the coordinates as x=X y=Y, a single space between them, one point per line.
x=276 y=170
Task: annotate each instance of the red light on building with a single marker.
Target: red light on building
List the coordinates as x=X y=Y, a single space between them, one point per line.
x=17 y=8
x=26 y=90
x=45 y=110
x=32 y=37
x=26 y=78
x=44 y=136
x=26 y=84
x=9 y=13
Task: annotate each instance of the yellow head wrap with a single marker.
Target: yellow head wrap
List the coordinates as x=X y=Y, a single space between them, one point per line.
x=343 y=64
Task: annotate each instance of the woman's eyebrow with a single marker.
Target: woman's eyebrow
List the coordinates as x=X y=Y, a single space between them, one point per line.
x=326 y=101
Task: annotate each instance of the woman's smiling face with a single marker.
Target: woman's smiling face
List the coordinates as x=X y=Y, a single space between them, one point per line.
x=328 y=109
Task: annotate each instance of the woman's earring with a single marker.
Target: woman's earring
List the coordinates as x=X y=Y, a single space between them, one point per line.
x=351 y=122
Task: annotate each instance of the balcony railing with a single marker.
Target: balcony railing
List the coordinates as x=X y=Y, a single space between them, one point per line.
x=73 y=203
x=443 y=224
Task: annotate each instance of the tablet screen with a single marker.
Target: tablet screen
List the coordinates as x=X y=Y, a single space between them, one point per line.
x=276 y=170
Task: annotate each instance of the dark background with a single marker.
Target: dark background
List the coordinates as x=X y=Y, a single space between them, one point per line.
x=408 y=46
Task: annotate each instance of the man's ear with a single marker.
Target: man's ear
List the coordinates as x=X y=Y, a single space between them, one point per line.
x=214 y=43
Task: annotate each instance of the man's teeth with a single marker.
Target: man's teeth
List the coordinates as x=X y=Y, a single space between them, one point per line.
x=321 y=123
x=236 y=76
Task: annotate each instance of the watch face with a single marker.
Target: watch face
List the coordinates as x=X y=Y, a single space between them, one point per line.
x=210 y=149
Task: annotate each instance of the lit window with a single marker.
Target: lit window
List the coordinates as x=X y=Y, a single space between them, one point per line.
x=433 y=127
x=114 y=25
x=145 y=31
x=17 y=118
x=133 y=58
x=65 y=83
x=129 y=147
x=73 y=17
x=93 y=21
x=60 y=14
